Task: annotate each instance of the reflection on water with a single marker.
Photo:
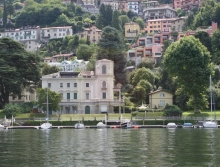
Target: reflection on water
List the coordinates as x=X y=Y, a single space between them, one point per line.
x=110 y=147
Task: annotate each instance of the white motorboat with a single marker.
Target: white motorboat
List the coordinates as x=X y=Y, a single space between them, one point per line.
x=46 y=125
x=101 y=125
x=210 y=124
x=171 y=125
x=126 y=123
x=79 y=125
x=1 y=126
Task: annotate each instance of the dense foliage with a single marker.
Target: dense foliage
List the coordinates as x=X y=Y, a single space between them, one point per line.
x=172 y=110
x=53 y=99
x=19 y=69
x=188 y=61
x=11 y=110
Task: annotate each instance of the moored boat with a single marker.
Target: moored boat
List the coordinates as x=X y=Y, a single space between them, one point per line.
x=79 y=125
x=1 y=126
x=46 y=125
x=210 y=124
x=171 y=125
x=101 y=125
x=187 y=125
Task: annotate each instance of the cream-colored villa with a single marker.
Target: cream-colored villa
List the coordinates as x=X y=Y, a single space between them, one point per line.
x=159 y=98
x=86 y=92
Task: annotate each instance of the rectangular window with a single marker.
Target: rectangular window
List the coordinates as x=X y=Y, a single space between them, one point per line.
x=13 y=97
x=87 y=96
x=61 y=85
x=68 y=96
x=75 y=96
x=49 y=85
x=162 y=102
x=75 y=85
x=87 y=85
x=104 y=95
x=68 y=85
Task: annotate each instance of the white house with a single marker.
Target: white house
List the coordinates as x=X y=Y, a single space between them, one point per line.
x=56 y=32
x=86 y=92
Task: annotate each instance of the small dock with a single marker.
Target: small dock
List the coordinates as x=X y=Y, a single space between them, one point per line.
x=87 y=127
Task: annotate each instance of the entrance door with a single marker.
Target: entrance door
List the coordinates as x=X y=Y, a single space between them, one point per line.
x=87 y=110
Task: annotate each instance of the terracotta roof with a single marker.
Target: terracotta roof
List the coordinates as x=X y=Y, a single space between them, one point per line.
x=63 y=55
x=159 y=90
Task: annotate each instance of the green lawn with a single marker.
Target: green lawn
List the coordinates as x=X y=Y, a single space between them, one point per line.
x=67 y=117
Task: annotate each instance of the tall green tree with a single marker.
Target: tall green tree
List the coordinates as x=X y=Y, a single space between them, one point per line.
x=143 y=80
x=189 y=62
x=84 y=52
x=205 y=39
x=19 y=69
x=216 y=47
x=108 y=15
x=123 y=19
x=10 y=9
x=4 y=15
x=140 y=22
x=116 y=21
x=53 y=98
x=111 y=46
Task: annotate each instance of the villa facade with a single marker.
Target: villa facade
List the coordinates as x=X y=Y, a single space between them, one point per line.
x=86 y=92
x=159 y=99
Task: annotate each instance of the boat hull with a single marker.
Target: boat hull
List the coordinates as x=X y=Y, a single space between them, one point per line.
x=79 y=126
x=171 y=126
x=46 y=125
x=101 y=125
x=210 y=124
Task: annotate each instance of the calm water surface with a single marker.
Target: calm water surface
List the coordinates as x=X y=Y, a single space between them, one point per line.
x=110 y=147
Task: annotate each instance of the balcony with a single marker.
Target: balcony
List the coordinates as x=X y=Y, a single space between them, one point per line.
x=103 y=88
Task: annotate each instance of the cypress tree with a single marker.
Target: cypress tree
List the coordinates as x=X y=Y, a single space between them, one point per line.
x=115 y=21
x=4 y=15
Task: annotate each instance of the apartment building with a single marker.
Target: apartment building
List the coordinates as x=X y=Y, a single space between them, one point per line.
x=150 y=4
x=133 y=5
x=132 y=29
x=92 y=33
x=55 y=32
x=86 y=92
x=188 y=5
x=159 y=25
x=178 y=24
x=160 y=12
x=32 y=36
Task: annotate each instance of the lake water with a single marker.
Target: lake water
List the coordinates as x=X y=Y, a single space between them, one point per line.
x=110 y=147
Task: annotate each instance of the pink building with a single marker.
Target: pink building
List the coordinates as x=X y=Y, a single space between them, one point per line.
x=177 y=4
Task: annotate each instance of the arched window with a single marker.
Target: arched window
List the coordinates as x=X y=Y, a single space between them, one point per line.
x=103 y=84
x=104 y=69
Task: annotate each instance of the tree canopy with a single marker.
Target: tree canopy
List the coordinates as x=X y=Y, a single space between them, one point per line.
x=19 y=69
x=189 y=62
x=53 y=99
x=111 y=46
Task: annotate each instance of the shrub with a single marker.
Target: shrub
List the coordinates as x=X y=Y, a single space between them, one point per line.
x=172 y=110
x=18 y=6
x=11 y=109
